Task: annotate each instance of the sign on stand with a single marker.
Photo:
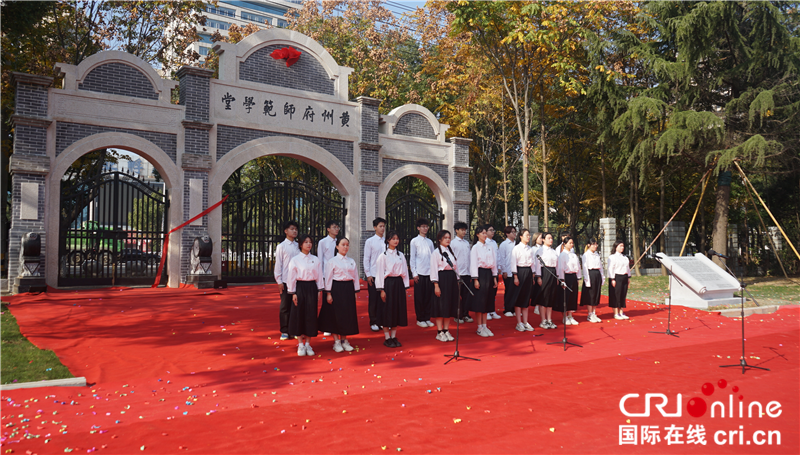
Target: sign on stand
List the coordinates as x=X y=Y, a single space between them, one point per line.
x=695 y=281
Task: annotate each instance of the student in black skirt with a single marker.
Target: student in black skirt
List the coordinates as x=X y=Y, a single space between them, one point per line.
x=391 y=279
x=483 y=270
x=304 y=283
x=338 y=314
x=536 y=248
x=549 y=290
x=521 y=268
x=569 y=270
x=619 y=270
x=593 y=280
x=445 y=282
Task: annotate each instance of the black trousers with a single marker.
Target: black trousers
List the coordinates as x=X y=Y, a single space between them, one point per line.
x=286 y=306
x=464 y=310
x=374 y=297
x=508 y=297
x=423 y=295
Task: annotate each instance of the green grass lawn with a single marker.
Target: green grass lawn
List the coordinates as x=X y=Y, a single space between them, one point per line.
x=21 y=361
x=766 y=290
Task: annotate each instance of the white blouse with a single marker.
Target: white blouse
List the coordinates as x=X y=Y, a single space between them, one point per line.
x=439 y=263
x=482 y=256
x=421 y=249
x=549 y=256
x=304 y=267
x=283 y=254
x=326 y=249
x=568 y=263
x=504 y=257
x=461 y=248
x=592 y=261
x=618 y=264
x=390 y=263
x=521 y=257
x=341 y=268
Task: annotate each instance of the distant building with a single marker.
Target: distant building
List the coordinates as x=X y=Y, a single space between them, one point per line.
x=262 y=13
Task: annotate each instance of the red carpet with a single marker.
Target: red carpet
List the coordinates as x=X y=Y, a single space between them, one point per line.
x=182 y=370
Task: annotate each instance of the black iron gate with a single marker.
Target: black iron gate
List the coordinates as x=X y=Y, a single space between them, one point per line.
x=112 y=229
x=402 y=215
x=252 y=225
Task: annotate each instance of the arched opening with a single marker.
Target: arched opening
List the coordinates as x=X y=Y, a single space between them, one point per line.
x=408 y=200
x=112 y=220
x=263 y=194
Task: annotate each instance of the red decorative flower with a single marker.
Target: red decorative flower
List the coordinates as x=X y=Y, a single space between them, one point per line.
x=290 y=54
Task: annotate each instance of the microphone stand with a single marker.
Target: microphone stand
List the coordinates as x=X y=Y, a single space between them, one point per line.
x=456 y=355
x=742 y=361
x=669 y=313
x=564 y=313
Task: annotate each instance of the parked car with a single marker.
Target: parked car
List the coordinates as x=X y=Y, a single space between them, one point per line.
x=133 y=254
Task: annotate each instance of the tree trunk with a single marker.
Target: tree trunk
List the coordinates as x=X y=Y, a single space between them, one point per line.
x=634 y=242
x=505 y=174
x=544 y=175
x=603 y=177
x=719 y=236
x=663 y=239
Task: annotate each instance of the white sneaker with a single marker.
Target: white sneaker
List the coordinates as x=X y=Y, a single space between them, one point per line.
x=528 y=327
x=284 y=336
x=346 y=345
x=508 y=314
x=459 y=321
x=301 y=349
x=422 y=324
x=619 y=317
x=326 y=334
x=624 y=316
x=468 y=319
x=495 y=315
x=544 y=324
x=337 y=346
x=536 y=309
x=449 y=337
x=596 y=318
x=488 y=332
x=573 y=321
x=440 y=337
x=309 y=351
x=520 y=327
x=374 y=327
x=551 y=325
x=430 y=324
x=482 y=332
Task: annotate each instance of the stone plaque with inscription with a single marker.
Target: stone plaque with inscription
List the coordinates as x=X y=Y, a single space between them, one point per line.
x=697 y=282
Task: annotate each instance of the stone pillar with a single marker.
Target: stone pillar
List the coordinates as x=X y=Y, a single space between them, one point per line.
x=195 y=159
x=369 y=176
x=777 y=237
x=462 y=197
x=607 y=237
x=29 y=166
x=675 y=235
x=533 y=222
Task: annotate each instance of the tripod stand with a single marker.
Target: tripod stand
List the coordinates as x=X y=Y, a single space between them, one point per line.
x=456 y=355
x=564 y=340
x=669 y=313
x=742 y=362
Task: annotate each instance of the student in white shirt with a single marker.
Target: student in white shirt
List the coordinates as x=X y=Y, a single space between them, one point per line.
x=504 y=261
x=569 y=270
x=445 y=283
x=493 y=244
x=619 y=270
x=326 y=250
x=549 y=281
x=373 y=247
x=338 y=314
x=283 y=254
x=522 y=270
x=391 y=280
x=536 y=248
x=421 y=249
x=304 y=282
x=593 y=279
x=483 y=270
x=460 y=245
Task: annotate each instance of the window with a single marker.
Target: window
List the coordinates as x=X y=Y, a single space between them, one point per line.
x=204 y=50
x=282 y=23
x=204 y=38
x=258 y=6
x=218 y=24
x=255 y=18
x=221 y=11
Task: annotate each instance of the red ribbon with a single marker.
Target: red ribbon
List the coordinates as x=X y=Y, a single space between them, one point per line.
x=290 y=54
x=166 y=240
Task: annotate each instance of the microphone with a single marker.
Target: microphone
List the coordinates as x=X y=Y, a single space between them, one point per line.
x=447 y=258
x=717 y=254
x=540 y=260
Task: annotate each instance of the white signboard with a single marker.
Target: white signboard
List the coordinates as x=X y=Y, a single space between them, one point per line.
x=697 y=282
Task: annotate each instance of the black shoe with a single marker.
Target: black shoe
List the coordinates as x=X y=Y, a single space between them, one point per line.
x=388 y=342
x=396 y=343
